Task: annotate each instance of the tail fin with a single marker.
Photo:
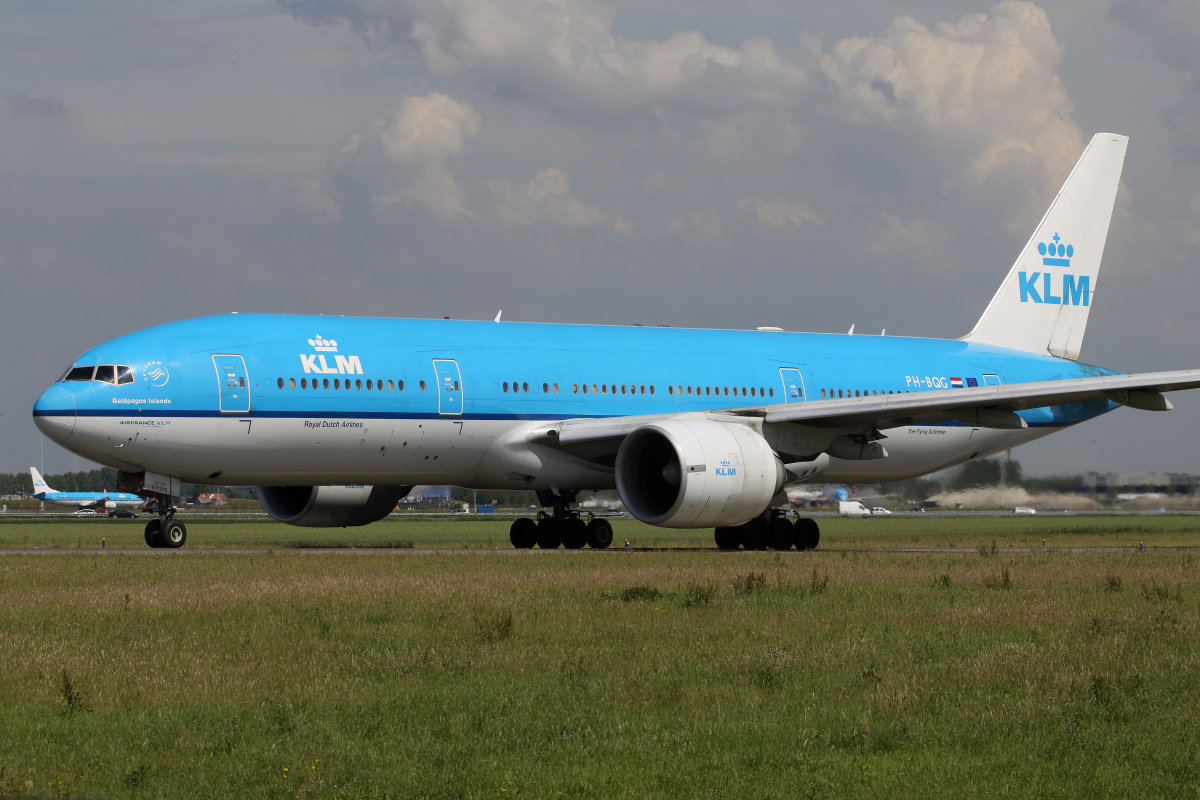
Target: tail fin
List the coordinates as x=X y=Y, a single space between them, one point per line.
x=1043 y=304
x=39 y=485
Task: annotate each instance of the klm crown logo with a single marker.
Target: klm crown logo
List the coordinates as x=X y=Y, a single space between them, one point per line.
x=725 y=468
x=1040 y=287
x=323 y=345
x=1054 y=253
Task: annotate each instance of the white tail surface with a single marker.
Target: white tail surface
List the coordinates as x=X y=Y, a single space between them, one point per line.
x=1043 y=304
x=39 y=485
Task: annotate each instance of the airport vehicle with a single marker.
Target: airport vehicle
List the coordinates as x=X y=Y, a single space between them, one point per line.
x=1024 y=511
x=880 y=511
x=853 y=508
x=335 y=418
x=82 y=500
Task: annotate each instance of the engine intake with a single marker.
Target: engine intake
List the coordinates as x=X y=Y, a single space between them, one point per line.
x=330 y=506
x=696 y=473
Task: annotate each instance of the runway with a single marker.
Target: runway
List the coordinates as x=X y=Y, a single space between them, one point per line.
x=538 y=552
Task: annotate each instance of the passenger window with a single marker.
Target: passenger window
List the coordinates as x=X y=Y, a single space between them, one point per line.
x=593 y=388
x=555 y=387
x=575 y=388
x=422 y=385
x=124 y=375
x=622 y=388
x=325 y=383
x=670 y=390
x=525 y=387
x=304 y=383
x=505 y=387
x=400 y=385
x=689 y=391
x=337 y=383
x=822 y=394
x=604 y=388
x=752 y=394
x=79 y=374
x=291 y=383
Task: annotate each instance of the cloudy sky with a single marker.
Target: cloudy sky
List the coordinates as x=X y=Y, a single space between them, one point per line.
x=679 y=162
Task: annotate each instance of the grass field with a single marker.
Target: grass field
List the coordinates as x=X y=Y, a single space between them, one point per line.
x=979 y=673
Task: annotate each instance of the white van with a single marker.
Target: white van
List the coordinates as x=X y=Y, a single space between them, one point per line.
x=853 y=508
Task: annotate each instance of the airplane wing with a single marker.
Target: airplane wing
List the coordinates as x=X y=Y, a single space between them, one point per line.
x=981 y=406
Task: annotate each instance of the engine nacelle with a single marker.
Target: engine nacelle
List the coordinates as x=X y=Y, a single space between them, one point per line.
x=696 y=473
x=330 y=506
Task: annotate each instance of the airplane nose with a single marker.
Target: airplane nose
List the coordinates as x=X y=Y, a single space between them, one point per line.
x=54 y=412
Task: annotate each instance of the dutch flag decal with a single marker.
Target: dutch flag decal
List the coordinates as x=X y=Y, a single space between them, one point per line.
x=956 y=383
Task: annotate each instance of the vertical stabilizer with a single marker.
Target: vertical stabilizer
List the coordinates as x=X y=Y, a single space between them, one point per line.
x=1043 y=304
x=39 y=485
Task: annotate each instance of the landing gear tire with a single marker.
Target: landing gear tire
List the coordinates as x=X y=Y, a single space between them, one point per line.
x=172 y=534
x=754 y=535
x=599 y=534
x=523 y=533
x=152 y=537
x=808 y=534
x=727 y=538
x=549 y=533
x=574 y=533
x=781 y=533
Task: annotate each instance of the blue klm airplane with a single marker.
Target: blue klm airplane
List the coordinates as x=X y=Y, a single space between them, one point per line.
x=334 y=419
x=101 y=501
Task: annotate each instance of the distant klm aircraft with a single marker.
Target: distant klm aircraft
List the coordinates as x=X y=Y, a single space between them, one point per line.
x=693 y=428
x=101 y=501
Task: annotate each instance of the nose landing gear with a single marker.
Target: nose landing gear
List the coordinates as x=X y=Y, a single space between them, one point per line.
x=166 y=531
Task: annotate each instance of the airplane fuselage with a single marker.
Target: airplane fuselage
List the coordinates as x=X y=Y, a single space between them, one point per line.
x=250 y=399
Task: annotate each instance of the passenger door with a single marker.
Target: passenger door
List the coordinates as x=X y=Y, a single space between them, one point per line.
x=793 y=385
x=449 y=382
x=234 y=384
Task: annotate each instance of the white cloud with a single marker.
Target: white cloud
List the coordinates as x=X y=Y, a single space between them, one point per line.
x=400 y=158
x=565 y=54
x=308 y=195
x=778 y=213
x=985 y=86
x=427 y=128
x=547 y=200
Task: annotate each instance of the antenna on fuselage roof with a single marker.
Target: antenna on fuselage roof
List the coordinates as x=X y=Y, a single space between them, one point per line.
x=498 y=313
x=851 y=331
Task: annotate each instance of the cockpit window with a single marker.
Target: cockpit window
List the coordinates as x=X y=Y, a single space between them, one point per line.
x=79 y=374
x=109 y=373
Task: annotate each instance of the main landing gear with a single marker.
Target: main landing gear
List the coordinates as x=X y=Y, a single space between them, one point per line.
x=563 y=526
x=771 y=530
x=166 y=531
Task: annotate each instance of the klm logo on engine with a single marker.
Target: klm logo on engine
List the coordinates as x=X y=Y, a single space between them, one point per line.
x=725 y=469
x=342 y=365
x=1040 y=287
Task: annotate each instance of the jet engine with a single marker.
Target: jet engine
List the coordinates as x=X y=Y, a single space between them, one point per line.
x=330 y=506
x=697 y=473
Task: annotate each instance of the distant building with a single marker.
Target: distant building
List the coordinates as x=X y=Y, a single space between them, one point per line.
x=211 y=499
